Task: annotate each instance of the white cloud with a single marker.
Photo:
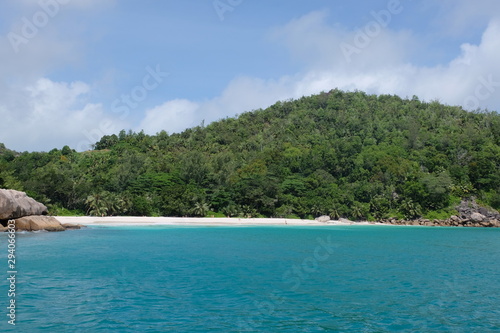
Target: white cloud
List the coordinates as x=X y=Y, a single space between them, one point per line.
x=37 y=113
x=47 y=113
x=173 y=116
x=40 y=113
x=471 y=79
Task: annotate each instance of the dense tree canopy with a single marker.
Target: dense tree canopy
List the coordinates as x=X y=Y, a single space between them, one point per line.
x=344 y=154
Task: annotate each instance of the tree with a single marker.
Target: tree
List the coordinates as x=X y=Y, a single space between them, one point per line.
x=338 y=153
x=379 y=207
x=201 y=208
x=359 y=211
x=231 y=210
x=97 y=204
x=410 y=209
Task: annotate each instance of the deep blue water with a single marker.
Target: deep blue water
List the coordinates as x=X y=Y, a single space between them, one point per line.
x=256 y=279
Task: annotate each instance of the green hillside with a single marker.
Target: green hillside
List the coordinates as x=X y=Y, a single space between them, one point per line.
x=344 y=154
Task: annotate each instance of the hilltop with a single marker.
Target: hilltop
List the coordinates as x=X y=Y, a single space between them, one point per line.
x=345 y=154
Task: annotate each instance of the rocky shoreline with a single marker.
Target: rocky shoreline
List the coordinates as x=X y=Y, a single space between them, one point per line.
x=470 y=214
x=453 y=221
x=27 y=214
x=30 y=215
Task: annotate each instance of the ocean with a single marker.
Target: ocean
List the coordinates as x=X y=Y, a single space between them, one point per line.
x=255 y=279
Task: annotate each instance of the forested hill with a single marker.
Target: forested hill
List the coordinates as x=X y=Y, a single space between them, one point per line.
x=343 y=154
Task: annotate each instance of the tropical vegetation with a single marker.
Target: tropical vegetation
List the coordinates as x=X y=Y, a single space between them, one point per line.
x=345 y=154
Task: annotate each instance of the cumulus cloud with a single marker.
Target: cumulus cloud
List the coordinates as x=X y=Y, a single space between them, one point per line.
x=381 y=66
x=376 y=59
x=173 y=116
x=48 y=113
x=38 y=113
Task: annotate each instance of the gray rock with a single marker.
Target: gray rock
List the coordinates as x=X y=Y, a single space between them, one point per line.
x=72 y=226
x=470 y=206
x=16 y=204
x=483 y=211
x=37 y=223
x=323 y=218
x=477 y=217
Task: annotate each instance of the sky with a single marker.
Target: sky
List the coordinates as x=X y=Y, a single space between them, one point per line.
x=72 y=71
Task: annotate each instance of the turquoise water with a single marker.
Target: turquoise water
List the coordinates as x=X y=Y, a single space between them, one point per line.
x=256 y=279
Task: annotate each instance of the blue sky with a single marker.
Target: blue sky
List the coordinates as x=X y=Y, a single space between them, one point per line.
x=74 y=70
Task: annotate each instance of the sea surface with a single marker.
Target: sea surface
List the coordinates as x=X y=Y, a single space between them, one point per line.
x=255 y=279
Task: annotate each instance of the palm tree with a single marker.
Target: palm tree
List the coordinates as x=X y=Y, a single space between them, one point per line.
x=201 y=208
x=334 y=213
x=105 y=203
x=248 y=211
x=230 y=210
x=410 y=209
x=316 y=210
x=358 y=211
x=116 y=203
x=97 y=204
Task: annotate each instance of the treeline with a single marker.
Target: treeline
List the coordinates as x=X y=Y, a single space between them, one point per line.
x=338 y=153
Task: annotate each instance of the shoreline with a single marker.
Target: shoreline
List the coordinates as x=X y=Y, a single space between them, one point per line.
x=194 y=221
x=225 y=221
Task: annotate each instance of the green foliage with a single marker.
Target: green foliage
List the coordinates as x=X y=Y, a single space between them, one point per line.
x=201 y=209
x=8 y=181
x=410 y=209
x=379 y=207
x=337 y=153
x=491 y=199
x=57 y=210
x=441 y=214
x=211 y=213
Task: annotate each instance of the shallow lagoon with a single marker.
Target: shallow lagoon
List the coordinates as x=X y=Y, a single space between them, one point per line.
x=260 y=279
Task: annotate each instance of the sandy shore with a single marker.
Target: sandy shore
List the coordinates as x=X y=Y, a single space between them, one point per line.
x=129 y=220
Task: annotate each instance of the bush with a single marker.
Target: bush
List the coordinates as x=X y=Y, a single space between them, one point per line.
x=57 y=210
x=441 y=214
x=492 y=199
x=215 y=214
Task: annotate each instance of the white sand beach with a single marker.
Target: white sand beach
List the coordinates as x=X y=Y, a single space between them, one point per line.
x=206 y=221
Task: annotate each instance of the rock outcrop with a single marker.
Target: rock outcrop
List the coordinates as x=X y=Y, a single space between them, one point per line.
x=37 y=223
x=451 y=222
x=29 y=215
x=344 y=220
x=16 y=204
x=477 y=217
x=470 y=210
x=470 y=214
x=323 y=218
x=69 y=226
